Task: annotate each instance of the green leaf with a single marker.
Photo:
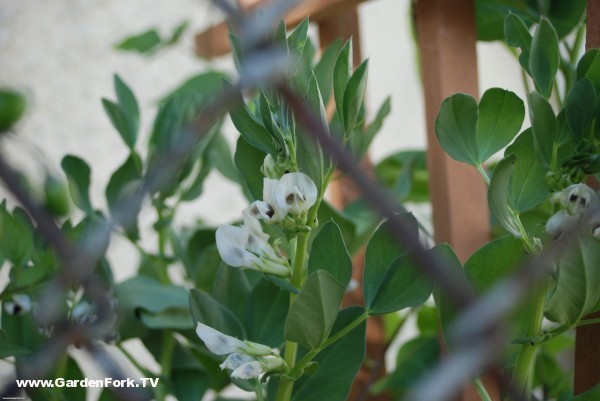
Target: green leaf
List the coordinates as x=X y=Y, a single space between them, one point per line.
x=342 y=71
x=140 y=295
x=232 y=289
x=323 y=70
x=456 y=128
x=382 y=250
x=566 y=15
x=329 y=253
x=7 y=349
x=130 y=107
x=338 y=364
x=544 y=127
x=577 y=290
x=145 y=42
x=122 y=183
x=493 y=262
x=498 y=195
x=517 y=34
x=501 y=115
x=589 y=67
x=490 y=17
x=551 y=375
x=248 y=161
x=404 y=285
x=178 y=32
x=580 y=107
x=119 y=120
x=78 y=174
x=253 y=132
x=308 y=152
x=203 y=87
x=12 y=107
x=344 y=222
x=446 y=306
x=527 y=188
x=415 y=358
x=267 y=313
x=297 y=40
x=16 y=239
x=472 y=134
x=168 y=319
x=545 y=57
x=210 y=312
x=353 y=96
x=189 y=384
x=314 y=310
x=361 y=142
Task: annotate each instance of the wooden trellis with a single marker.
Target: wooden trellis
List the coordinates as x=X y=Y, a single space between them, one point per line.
x=447 y=40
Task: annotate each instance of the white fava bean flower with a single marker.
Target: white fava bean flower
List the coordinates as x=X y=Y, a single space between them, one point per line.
x=248 y=246
x=293 y=192
x=574 y=199
x=297 y=192
x=269 y=209
x=246 y=360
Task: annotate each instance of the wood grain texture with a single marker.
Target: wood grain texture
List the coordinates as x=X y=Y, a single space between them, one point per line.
x=447 y=40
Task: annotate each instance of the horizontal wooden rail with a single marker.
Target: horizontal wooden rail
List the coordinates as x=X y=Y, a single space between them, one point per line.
x=214 y=42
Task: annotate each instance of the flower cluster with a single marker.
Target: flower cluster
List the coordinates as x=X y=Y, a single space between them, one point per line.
x=246 y=360
x=247 y=245
x=575 y=200
x=293 y=193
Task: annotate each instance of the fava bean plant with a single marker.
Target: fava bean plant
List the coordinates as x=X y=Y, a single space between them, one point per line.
x=258 y=303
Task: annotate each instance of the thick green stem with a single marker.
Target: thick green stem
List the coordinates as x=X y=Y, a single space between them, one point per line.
x=284 y=391
x=521 y=374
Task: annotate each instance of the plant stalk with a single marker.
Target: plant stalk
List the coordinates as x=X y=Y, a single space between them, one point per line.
x=284 y=391
x=521 y=374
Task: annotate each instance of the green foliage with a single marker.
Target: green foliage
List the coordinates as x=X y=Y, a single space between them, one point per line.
x=337 y=364
x=150 y=41
x=125 y=114
x=314 y=311
x=576 y=292
x=471 y=133
x=329 y=253
x=78 y=174
x=544 y=57
x=12 y=107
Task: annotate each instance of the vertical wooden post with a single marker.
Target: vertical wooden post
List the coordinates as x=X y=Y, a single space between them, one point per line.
x=447 y=40
x=587 y=338
x=344 y=24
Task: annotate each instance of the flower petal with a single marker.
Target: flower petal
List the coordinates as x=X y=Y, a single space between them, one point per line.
x=297 y=191
x=217 y=342
x=560 y=222
x=235 y=360
x=249 y=370
x=231 y=243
